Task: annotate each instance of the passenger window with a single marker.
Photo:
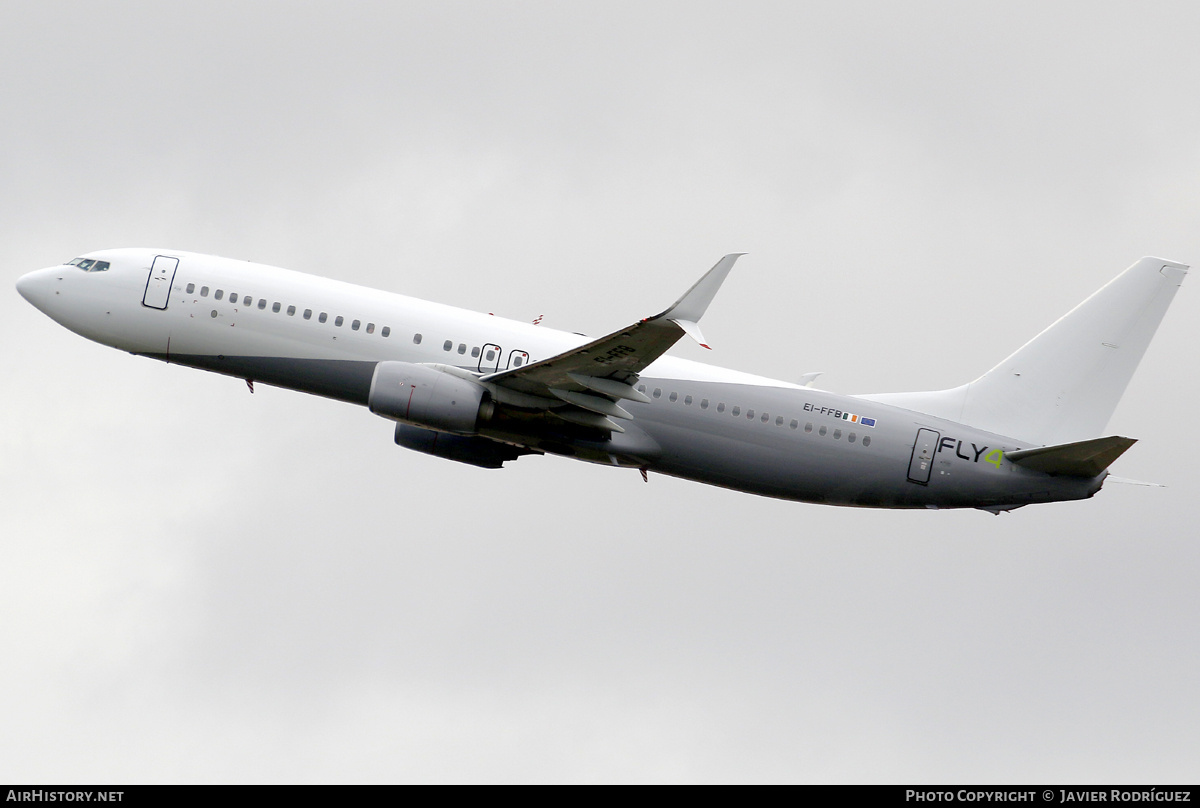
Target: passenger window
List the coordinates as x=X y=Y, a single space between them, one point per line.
x=822 y=431
x=808 y=427
x=370 y=328
x=851 y=437
x=291 y=311
x=779 y=421
x=475 y=352
x=721 y=407
x=387 y=331
x=520 y=360
x=354 y=326
x=657 y=392
x=490 y=355
x=462 y=347
x=765 y=417
x=866 y=440
x=674 y=397
x=794 y=423
x=337 y=321
x=749 y=413
x=447 y=345
x=214 y=313
x=217 y=294
x=416 y=337
x=191 y=287
x=262 y=303
x=687 y=400
x=204 y=292
x=323 y=317
x=837 y=434
x=736 y=410
x=274 y=306
x=308 y=314
x=704 y=403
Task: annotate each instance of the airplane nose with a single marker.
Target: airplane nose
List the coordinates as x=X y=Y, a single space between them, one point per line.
x=25 y=285
x=36 y=287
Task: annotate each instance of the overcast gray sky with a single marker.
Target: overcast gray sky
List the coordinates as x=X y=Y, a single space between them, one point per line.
x=197 y=584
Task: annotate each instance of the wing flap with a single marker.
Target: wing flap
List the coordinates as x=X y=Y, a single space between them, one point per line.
x=598 y=404
x=610 y=387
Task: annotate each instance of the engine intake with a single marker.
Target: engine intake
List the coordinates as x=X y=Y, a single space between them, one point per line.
x=427 y=397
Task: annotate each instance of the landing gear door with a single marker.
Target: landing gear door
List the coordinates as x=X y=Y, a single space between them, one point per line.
x=158 y=285
x=921 y=464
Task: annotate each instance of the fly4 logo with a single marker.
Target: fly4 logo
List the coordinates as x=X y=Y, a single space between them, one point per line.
x=995 y=457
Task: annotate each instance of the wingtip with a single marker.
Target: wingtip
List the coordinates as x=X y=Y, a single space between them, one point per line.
x=694 y=302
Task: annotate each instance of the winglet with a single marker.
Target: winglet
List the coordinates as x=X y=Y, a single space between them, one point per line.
x=692 y=330
x=688 y=310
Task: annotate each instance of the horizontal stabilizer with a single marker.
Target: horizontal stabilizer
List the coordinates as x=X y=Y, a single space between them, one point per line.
x=1086 y=458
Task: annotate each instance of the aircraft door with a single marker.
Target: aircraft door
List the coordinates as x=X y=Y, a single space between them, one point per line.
x=489 y=358
x=517 y=359
x=158 y=285
x=921 y=464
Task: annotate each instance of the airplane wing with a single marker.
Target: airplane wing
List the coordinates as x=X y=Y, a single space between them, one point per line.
x=585 y=383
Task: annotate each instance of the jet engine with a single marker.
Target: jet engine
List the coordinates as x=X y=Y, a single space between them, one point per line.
x=427 y=397
x=477 y=451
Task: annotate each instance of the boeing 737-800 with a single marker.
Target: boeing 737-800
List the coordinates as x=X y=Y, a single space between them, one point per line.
x=484 y=390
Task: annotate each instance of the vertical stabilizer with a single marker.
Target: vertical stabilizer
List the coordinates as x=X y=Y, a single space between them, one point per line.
x=1063 y=385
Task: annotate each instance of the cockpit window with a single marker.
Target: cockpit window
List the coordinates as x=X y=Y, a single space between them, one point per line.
x=89 y=264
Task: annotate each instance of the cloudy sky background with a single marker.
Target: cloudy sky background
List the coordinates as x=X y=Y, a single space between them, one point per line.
x=197 y=584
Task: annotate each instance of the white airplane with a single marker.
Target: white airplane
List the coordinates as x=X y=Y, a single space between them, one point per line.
x=485 y=390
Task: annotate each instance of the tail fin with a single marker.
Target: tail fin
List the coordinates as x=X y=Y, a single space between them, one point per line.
x=1063 y=385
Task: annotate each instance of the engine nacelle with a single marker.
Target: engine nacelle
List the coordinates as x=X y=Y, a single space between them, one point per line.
x=427 y=397
x=475 y=450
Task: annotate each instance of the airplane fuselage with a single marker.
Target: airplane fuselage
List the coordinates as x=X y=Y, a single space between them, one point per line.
x=701 y=422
